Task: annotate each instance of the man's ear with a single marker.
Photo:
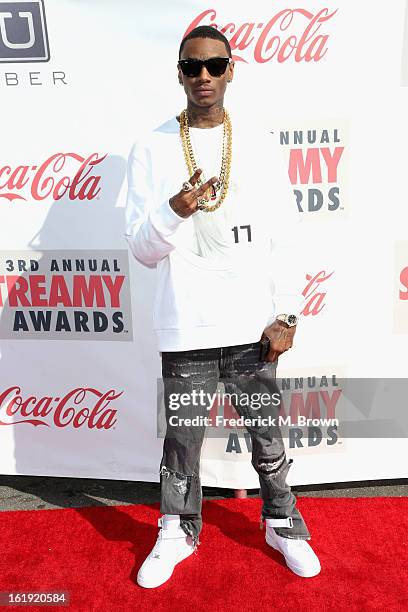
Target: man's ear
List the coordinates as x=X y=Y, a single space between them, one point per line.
x=231 y=72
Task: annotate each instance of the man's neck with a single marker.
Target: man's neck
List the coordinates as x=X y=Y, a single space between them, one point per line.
x=205 y=117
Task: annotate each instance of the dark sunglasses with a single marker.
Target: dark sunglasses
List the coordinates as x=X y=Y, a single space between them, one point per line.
x=216 y=66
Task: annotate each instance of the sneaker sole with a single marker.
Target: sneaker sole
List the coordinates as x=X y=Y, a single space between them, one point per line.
x=299 y=571
x=145 y=585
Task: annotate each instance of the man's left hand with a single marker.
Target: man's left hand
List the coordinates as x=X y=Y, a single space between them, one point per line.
x=281 y=339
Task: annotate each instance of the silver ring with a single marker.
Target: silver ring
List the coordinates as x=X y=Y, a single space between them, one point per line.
x=201 y=203
x=187 y=186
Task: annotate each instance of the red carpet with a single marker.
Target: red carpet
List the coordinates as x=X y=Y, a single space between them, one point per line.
x=95 y=553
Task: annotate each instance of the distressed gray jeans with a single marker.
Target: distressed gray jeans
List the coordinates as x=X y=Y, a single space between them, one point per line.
x=242 y=371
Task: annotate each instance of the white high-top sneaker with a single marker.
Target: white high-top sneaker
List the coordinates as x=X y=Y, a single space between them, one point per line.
x=299 y=555
x=172 y=546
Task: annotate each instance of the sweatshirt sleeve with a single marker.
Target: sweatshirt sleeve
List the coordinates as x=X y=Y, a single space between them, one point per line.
x=286 y=230
x=150 y=231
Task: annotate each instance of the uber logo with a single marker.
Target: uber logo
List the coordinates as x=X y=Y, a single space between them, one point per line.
x=23 y=31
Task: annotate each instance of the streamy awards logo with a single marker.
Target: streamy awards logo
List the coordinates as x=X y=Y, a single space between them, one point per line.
x=65 y=295
x=314 y=407
x=308 y=415
x=317 y=166
x=23 y=31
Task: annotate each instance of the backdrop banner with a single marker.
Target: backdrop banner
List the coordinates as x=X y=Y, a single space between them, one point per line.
x=80 y=371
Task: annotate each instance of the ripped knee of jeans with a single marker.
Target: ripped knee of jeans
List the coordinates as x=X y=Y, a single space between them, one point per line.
x=180 y=481
x=271 y=465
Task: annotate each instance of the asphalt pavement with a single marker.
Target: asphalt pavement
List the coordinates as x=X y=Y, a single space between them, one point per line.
x=45 y=492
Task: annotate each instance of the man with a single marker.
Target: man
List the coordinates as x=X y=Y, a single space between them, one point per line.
x=210 y=239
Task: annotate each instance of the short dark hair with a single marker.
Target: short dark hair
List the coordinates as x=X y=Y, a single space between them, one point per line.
x=206 y=32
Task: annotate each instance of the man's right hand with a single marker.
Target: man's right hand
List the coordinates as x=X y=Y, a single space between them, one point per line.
x=185 y=202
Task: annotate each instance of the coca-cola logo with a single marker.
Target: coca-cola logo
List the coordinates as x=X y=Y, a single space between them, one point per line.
x=50 y=180
x=80 y=407
x=290 y=33
x=400 y=323
x=403 y=291
x=314 y=293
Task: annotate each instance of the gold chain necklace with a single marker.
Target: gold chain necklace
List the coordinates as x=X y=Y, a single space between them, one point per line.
x=223 y=179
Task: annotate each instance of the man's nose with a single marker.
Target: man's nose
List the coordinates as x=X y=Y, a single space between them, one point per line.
x=204 y=74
